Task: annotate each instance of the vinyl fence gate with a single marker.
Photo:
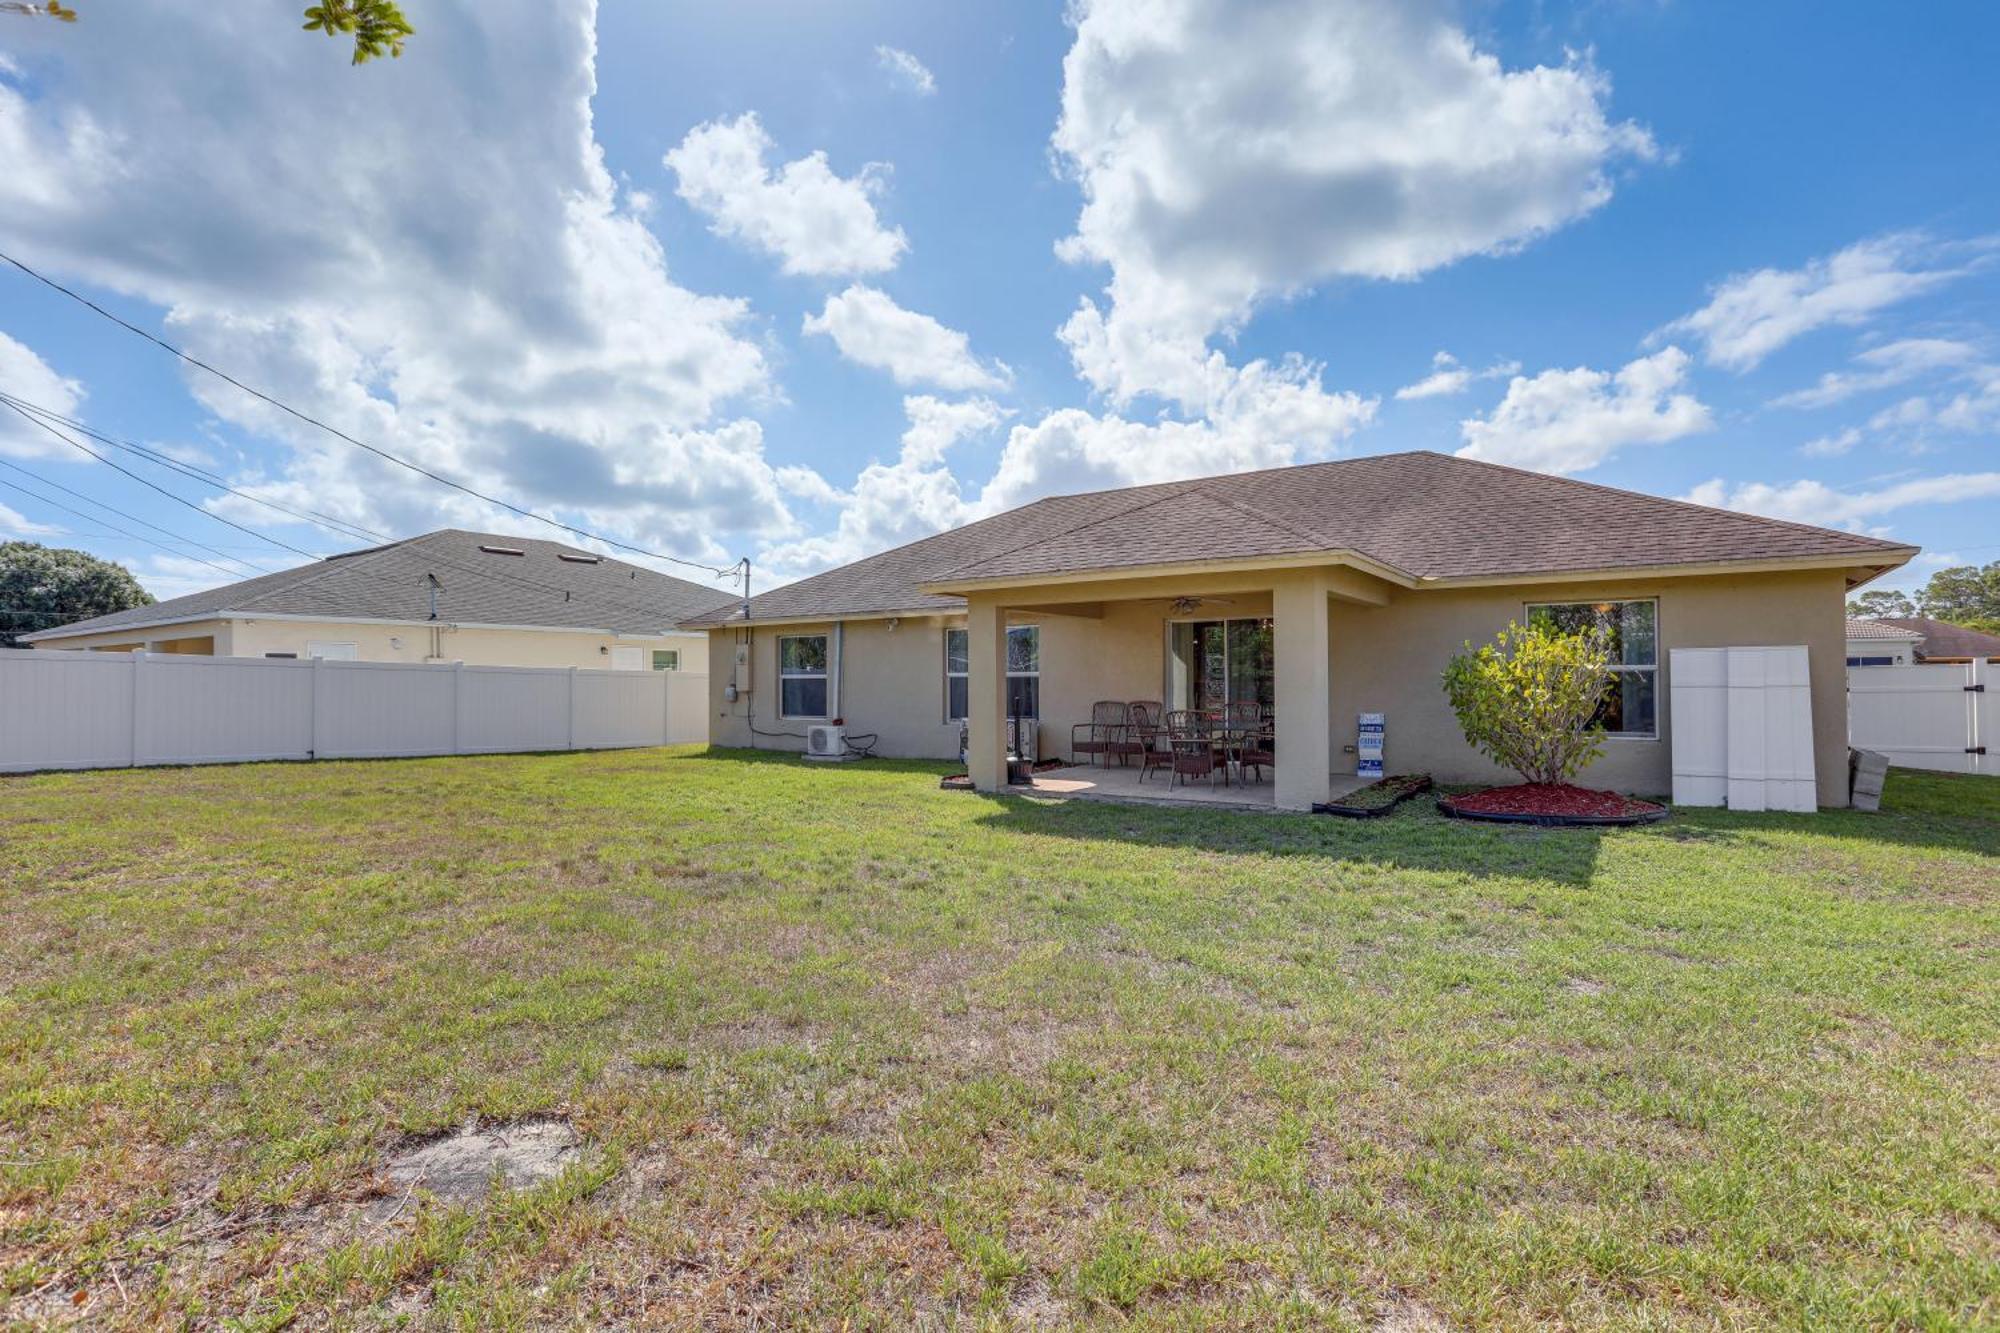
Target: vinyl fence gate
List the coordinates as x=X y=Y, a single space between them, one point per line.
x=1934 y=715
x=121 y=710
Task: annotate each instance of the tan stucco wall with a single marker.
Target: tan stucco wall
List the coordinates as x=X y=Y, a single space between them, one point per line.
x=1388 y=660
x=405 y=643
x=892 y=681
x=1381 y=659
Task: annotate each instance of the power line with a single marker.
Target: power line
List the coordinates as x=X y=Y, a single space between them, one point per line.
x=340 y=527
x=89 y=518
x=339 y=434
x=83 y=448
x=164 y=532
x=566 y=595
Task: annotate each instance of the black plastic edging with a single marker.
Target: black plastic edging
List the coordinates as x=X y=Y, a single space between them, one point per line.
x=1371 y=812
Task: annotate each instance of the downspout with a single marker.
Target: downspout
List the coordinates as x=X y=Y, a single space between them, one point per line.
x=839 y=658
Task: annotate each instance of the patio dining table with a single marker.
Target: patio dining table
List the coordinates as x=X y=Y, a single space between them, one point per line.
x=1233 y=737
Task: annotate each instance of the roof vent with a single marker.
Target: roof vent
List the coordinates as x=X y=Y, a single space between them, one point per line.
x=501 y=550
x=579 y=558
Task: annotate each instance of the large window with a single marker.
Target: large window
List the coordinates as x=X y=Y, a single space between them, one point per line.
x=1024 y=672
x=1631 y=708
x=802 y=676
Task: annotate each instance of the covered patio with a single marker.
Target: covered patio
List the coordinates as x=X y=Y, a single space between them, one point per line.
x=1192 y=638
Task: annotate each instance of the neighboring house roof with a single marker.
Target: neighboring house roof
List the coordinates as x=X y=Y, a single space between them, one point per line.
x=1879 y=629
x=1941 y=638
x=1420 y=516
x=547 y=584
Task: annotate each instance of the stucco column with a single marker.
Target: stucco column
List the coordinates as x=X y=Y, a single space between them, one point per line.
x=1305 y=725
x=986 y=693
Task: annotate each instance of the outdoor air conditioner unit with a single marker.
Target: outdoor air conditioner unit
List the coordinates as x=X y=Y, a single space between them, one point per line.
x=826 y=740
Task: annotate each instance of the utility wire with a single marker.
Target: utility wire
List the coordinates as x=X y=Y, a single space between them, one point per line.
x=339 y=526
x=567 y=595
x=339 y=434
x=81 y=447
x=90 y=518
x=164 y=532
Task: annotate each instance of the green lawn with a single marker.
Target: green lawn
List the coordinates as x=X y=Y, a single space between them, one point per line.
x=845 y=1047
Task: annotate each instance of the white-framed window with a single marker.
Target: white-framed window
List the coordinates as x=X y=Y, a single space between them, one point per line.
x=666 y=659
x=332 y=651
x=1631 y=708
x=802 y=675
x=1024 y=672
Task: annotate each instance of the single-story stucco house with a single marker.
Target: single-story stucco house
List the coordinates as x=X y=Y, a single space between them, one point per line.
x=1876 y=643
x=1909 y=639
x=481 y=598
x=1326 y=591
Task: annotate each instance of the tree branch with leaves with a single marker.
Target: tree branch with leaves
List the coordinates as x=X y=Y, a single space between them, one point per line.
x=1530 y=699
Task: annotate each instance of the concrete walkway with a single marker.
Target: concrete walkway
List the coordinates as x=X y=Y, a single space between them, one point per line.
x=1113 y=783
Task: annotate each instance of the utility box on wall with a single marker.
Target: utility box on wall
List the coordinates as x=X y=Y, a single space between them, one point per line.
x=1742 y=730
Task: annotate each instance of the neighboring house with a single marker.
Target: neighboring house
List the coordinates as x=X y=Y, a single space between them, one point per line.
x=1877 y=643
x=450 y=596
x=1934 y=640
x=1324 y=590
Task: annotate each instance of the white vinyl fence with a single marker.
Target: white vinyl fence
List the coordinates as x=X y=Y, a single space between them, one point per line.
x=1929 y=715
x=117 y=710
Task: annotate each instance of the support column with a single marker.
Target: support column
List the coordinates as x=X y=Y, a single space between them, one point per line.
x=1304 y=709
x=986 y=694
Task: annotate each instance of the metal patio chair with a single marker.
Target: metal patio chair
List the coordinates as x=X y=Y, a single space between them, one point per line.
x=1191 y=737
x=1106 y=729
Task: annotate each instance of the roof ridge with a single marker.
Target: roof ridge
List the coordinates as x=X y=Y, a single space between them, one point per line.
x=1325 y=543
x=1173 y=489
x=1251 y=472
x=1602 y=488
x=322 y=570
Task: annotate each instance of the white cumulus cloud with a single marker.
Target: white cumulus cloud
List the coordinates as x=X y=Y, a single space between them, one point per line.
x=1231 y=154
x=1564 y=421
x=895 y=503
x=454 y=276
x=25 y=375
x=1810 y=501
x=1882 y=367
x=906 y=69
x=870 y=329
x=1449 y=376
x=813 y=220
x=1751 y=315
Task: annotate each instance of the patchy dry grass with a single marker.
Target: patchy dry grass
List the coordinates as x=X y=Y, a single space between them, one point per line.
x=844 y=1048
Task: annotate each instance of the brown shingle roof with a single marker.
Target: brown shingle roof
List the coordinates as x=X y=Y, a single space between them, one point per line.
x=1941 y=638
x=1425 y=515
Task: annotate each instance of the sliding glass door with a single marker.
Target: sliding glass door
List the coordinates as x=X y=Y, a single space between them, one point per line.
x=1211 y=663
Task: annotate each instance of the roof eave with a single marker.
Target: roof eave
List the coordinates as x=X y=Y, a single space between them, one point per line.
x=1861 y=566
x=958 y=587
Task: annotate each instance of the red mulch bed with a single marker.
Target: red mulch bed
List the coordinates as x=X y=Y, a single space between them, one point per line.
x=1555 y=802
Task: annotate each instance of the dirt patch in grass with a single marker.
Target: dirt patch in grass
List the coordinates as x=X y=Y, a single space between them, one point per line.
x=461 y=1167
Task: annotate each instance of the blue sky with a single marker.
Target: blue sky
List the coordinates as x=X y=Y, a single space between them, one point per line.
x=800 y=281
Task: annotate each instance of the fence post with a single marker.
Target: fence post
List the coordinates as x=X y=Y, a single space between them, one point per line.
x=138 y=711
x=572 y=708
x=313 y=742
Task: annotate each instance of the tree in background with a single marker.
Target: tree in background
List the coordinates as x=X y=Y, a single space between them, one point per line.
x=45 y=586
x=1529 y=700
x=1965 y=595
x=1882 y=604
